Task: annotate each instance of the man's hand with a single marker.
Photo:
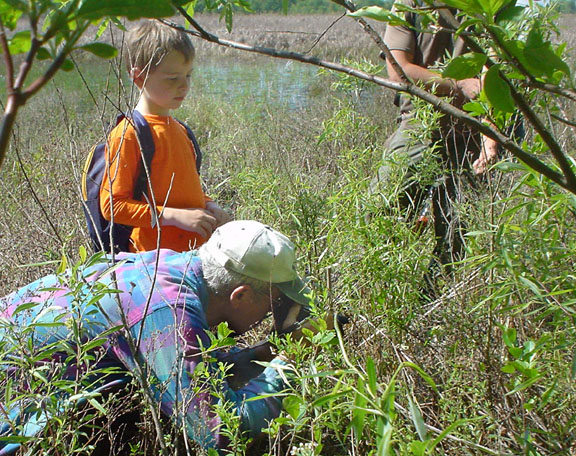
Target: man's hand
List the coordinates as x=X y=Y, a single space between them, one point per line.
x=287 y=314
x=292 y=318
x=218 y=213
x=197 y=220
x=468 y=88
x=488 y=156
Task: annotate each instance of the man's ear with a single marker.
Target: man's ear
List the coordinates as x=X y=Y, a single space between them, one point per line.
x=241 y=296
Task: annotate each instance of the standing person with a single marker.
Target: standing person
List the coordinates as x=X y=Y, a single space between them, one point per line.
x=453 y=144
x=160 y=60
x=156 y=318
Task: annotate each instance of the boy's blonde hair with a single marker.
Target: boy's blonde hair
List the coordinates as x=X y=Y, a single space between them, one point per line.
x=150 y=41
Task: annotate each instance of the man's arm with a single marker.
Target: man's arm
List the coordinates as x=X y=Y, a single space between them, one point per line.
x=467 y=89
x=189 y=384
x=463 y=90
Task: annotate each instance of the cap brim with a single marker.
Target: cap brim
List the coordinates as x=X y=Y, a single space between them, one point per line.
x=297 y=290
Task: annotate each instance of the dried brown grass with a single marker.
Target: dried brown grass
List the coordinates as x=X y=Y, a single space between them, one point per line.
x=325 y=35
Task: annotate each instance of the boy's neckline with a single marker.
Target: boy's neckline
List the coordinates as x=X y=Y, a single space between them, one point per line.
x=166 y=118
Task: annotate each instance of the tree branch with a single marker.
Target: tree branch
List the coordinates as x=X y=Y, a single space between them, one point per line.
x=7 y=59
x=525 y=109
x=350 y=6
x=439 y=103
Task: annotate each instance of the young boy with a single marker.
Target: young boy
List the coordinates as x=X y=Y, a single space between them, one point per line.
x=160 y=63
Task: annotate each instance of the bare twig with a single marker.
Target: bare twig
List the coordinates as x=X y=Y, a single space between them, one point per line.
x=570 y=123
x=317 y=40
x=35 y=196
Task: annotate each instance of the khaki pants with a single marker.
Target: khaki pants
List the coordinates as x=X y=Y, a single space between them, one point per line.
x=453 y=152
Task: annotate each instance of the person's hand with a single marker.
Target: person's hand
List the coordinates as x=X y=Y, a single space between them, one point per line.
x=468 y=88
x=218 y=213
x=287 y=314
x=488 y=156
x=197 y=220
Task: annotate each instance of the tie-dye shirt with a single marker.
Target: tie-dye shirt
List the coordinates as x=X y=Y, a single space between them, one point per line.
x=161 y=298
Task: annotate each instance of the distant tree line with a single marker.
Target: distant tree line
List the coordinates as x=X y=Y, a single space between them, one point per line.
x=327 y=6
x=304 y=6
x=567 y=6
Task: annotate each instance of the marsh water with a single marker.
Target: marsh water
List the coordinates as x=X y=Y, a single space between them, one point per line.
x=268 y=81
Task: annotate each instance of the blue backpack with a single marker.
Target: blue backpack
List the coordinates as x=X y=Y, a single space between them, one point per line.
x=99 y=228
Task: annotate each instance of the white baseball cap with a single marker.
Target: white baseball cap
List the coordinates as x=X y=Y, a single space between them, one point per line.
x=258 y=251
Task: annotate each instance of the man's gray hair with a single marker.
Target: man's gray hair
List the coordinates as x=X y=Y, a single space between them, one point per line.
x=220 y=280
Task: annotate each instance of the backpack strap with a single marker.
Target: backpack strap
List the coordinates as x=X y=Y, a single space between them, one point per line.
x=146 y=143
x=197 y=150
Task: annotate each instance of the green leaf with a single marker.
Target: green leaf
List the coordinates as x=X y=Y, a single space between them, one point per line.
x=465 y=66
x=418 y=448
x=19 y=5
x=423 y=374
x=511 y=14
x=16 y=438
x=106 y=51
x=63 y=261
x=516 y=352
x=359 y=412
x=547 y=396
x=531 y=285
x=509 y=336
x=67 y=65
x=20 y=42
x=10 y=15
x=371 y=371
x=508 y=368
x=97 y=406
x=328 y=398
x=417 y=419
x=444 y=433
x=528 y=383
x=491 y=7
x=25 y=306
x=509 y=166
x=468 y=6
x=82 y=253
x=131 y=9
x=538 y=55
x=294 y=406
x=475 y=108
x=190 y=10
x=94 y=344
x=379 y=14
x=542 y=57
x=497 y=91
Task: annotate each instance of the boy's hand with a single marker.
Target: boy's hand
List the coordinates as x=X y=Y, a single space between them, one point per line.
x=200 y=221
x=218 y=213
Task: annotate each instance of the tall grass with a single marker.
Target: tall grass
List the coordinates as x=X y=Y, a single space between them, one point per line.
x=488 y=368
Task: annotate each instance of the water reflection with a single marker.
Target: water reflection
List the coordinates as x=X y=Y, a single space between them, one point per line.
x=263 y=81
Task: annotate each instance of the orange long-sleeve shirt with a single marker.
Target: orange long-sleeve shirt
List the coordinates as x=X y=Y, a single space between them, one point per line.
x=174 y=178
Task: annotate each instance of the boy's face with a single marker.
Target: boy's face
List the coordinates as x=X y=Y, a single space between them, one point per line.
x=165 y=87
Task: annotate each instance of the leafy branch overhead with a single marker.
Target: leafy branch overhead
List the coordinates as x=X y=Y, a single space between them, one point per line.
x=520 y=65
x=50 y=30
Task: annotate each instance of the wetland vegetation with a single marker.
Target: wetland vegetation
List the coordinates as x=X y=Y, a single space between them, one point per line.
x=486 y=368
